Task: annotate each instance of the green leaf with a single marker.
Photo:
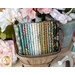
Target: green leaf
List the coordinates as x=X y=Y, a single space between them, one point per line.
x=73 y=11
x=3 y=36
x=7 y=33
x=67 y=10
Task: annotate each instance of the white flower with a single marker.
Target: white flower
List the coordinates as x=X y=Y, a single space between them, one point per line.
x=8 y=17
x=68 y=17
x=62 y=19
x=61 y=8
x=54 y=13
x=18 y=15
x=72 y=15
x=4 y=22
x=58 y=16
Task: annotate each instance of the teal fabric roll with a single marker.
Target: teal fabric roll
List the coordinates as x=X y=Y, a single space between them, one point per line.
x=18 y=40
x=21 y=36
x=37 y=38
x=26 y=30
x=24 y=38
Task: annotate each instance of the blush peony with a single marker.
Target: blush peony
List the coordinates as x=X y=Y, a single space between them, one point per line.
x=28 y=12
x=44 y=10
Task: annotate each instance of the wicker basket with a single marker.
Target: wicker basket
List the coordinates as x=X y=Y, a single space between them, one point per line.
x=38 y=60
x=43 y=60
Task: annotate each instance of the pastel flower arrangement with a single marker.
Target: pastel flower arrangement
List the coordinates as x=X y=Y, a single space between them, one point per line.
x=9 y=15
x=28 y=12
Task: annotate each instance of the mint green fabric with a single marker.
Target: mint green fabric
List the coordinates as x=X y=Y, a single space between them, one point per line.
x=18 y=40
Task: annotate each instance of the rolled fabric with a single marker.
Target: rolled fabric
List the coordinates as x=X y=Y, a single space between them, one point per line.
x=18 y=40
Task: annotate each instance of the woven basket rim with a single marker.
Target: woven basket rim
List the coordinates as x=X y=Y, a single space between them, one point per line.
x=42 y=55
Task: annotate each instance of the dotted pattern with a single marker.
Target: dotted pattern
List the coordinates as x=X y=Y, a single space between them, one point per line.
x=18 y=40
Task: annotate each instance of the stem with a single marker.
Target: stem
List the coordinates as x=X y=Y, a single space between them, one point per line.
x=69 y=11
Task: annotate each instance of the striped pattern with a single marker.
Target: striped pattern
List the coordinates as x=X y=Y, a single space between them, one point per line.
x=37 y=38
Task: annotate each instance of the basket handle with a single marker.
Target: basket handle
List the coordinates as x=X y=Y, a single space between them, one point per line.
x=62 y=37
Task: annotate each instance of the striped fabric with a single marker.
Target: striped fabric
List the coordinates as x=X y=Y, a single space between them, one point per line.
x=37 y=38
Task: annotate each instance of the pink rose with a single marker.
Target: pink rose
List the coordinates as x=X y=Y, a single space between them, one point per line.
x=28 y=12
x=7 y=49
x=44 y=10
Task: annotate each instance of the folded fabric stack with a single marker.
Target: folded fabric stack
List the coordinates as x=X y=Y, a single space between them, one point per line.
x=37 y=38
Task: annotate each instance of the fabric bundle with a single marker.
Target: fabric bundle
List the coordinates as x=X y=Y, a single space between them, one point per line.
x=37 y=38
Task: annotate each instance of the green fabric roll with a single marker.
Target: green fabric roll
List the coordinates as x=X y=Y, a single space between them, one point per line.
x=18 y=40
